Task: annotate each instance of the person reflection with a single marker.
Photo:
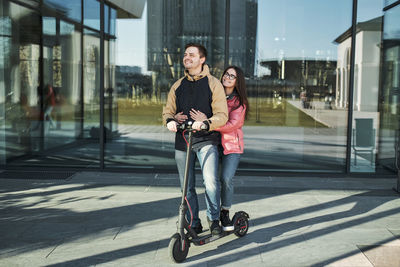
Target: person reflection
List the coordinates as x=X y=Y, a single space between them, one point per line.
x=24 y=122
x=21 y=123
x=49 y=104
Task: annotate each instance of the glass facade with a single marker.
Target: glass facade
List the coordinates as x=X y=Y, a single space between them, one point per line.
x=390 y=89
x=83 y=82
x=62 y=75
x=365 y=117
x=71 y=9
x=297 y=122
x=20 y=94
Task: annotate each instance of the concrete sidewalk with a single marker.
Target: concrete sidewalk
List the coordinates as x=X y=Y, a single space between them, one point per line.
x=121 y=219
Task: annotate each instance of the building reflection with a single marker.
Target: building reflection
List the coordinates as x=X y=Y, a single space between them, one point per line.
x=300 y=103
x=179 y=22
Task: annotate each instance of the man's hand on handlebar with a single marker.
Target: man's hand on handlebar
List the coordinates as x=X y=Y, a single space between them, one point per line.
x=199 y=117
x=199 y=125
x=172 y=126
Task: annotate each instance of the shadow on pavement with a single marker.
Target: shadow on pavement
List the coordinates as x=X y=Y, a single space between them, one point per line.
x=76 y=225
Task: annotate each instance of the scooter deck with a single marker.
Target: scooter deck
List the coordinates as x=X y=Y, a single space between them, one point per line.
x=206 y=237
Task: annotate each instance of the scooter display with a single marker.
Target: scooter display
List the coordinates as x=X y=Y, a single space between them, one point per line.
x=185 y=235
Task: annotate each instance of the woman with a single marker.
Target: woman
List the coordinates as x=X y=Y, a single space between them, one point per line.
x=231 y=136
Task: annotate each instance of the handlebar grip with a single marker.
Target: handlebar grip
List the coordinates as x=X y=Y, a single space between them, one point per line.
x=181 y=126
x=188 y=126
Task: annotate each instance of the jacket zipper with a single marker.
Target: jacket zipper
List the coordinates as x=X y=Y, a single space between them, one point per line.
x=237 y=137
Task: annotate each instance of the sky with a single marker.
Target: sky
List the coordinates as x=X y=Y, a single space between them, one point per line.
x=286 y=29
x=307 y=28
x=131 y=41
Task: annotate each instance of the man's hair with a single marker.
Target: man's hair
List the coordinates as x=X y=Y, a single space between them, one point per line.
x=201 y=48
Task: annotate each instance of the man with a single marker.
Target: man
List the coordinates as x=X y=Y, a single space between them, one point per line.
x=198 y=90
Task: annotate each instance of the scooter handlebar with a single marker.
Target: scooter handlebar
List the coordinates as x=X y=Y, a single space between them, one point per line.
x=188 y=126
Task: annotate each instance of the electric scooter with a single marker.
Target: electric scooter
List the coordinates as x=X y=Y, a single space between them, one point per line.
x=185 y=235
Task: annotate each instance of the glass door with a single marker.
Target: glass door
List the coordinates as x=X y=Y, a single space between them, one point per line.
x=365 y=119
x=20 y=102
x=297 y=70
x=148 y=52
x=390 y=96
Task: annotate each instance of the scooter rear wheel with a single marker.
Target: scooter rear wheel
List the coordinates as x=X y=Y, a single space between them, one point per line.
x=175 y=249
x=242 y=223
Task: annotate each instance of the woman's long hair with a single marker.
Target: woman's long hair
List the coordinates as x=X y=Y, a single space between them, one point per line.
x=240 y=87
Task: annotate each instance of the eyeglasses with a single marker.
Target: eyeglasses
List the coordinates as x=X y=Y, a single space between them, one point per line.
x=230 y=76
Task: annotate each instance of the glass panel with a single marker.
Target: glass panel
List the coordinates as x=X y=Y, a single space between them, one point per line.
x=390 y=106
x=5 y=46
x=91 y=14
x=149 y=56
x=20 y=102
x=70 y=9
x=32 y=3
x=106 y=19
x=389 y=2
x=298 y=98
x=91 y=92
x=61 y=94
x=110 y=16
x=110 y=99
x=113 y=18
x=366 y=84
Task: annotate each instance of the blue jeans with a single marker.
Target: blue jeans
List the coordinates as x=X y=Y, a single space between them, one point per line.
x=229 y=165
x=208 y=159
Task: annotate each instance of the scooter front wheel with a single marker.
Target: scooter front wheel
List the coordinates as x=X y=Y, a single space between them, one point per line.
x=175 y=248
x=241 y=223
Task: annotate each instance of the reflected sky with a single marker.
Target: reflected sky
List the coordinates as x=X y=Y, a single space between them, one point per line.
x=392 y=22
x=369 y=9
x=286 y=29
x=301 y=29
x=307 y=28
x=71 y=8
x=131 y=41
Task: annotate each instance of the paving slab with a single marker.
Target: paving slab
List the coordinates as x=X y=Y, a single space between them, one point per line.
x=382 y=255
x=126 y=219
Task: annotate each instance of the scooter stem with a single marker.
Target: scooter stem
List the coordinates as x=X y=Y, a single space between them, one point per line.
x=186 y=177
x=183 y=206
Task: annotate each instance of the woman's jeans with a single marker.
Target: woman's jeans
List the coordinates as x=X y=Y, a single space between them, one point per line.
x=208 y=159
x=230 y=163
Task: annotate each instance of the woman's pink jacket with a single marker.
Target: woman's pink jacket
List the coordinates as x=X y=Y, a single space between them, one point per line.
x=231 y=132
